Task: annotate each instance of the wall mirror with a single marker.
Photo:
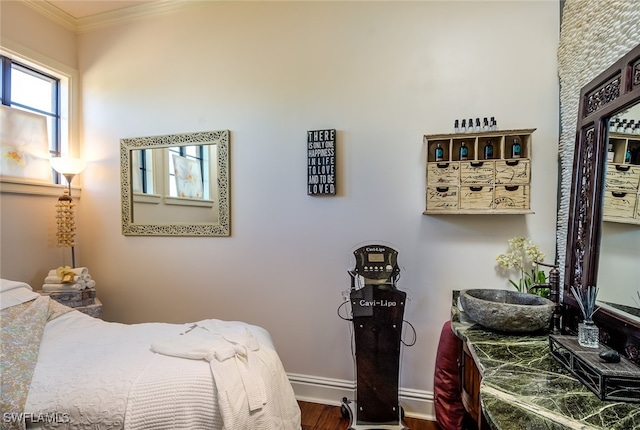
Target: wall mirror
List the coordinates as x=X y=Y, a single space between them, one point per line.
x=175 y=185
x=603 y=244
x=620 y=236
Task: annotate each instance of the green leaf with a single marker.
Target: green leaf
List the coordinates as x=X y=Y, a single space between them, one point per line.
x=515 y=285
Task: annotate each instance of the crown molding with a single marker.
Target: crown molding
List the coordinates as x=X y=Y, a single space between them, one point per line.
x=108 y=19
x=105 y=19
x=53 y=13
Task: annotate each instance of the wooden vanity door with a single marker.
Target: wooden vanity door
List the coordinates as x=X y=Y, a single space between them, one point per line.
x=470 y=387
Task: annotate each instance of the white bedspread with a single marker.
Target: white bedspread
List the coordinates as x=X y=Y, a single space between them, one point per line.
x=173 y=393
x=251 y=387
x=89 y=371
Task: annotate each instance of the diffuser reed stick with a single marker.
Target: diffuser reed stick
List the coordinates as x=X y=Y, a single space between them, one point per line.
x=586 y=300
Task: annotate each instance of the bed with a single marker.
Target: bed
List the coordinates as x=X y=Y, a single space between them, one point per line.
x=62 y=369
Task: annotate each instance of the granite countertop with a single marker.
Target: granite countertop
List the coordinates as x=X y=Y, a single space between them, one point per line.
x=524 y=387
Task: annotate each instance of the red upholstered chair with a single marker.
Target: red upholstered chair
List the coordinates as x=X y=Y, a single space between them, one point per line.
x=449 y=410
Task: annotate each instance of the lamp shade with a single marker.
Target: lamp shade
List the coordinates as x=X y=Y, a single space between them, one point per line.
x=68 y=165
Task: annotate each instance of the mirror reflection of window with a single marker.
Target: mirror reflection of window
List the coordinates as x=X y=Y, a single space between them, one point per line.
x=189 y=174
x=142 y=173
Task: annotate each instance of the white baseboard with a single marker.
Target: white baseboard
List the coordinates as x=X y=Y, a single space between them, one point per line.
x=328 y=391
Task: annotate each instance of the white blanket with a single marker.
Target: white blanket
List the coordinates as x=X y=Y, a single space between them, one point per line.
x=252 y=390
x=92 y=372
x=173 y=393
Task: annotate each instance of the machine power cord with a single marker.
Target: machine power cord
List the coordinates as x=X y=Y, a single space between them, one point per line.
x=415 y=336
x=340 y=307
x=413 y=329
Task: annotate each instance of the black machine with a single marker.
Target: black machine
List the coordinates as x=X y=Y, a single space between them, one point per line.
x=377 y=309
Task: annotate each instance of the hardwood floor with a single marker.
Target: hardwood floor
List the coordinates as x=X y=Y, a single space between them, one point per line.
x=316 y=416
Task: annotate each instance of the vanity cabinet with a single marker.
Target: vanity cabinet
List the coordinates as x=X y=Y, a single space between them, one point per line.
x=622 y=184
x=475 y=173
x=470 y=384
x=470 y=378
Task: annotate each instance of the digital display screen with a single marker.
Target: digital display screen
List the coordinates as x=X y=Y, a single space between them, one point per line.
x=376 y=258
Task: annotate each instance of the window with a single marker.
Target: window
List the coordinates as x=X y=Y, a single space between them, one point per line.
x=142 y=177
x=38 y=91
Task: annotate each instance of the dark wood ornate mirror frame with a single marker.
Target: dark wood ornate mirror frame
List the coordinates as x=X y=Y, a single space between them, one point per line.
x=612 y=91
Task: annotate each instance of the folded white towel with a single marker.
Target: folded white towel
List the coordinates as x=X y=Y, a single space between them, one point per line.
x=71 y=286
x=14 y=293
x=6 y=285
x=90 y=284
x=80 y=271
x=55 y=279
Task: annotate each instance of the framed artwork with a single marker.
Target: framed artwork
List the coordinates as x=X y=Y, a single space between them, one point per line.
x=24 y=145
x=188 y=177
x=321 y=162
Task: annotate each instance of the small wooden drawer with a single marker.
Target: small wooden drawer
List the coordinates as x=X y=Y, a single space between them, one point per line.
x=622 y=177
x=476 y=197
x=516 y=171
x=477 y=172
x=620 y=204
x=511 y=197
x=442 y=198
x=443 y=174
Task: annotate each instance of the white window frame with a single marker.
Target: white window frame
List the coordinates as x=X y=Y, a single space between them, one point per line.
x=68 y=117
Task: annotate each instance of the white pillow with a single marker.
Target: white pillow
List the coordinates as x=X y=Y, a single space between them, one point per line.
x=14 y=292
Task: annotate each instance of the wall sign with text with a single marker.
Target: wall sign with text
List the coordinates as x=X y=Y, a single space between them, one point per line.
x=321 y=162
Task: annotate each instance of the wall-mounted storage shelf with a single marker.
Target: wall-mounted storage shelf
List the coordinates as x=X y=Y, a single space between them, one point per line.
x=493 y=178
x=622 y=184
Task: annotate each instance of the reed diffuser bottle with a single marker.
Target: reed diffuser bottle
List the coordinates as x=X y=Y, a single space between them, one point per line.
x=588 y=331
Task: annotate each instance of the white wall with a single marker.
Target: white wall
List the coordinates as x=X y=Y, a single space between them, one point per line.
x=383 y=74
x=36 y=32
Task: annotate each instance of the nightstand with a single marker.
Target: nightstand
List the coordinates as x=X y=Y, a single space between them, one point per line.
x=84 y=301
